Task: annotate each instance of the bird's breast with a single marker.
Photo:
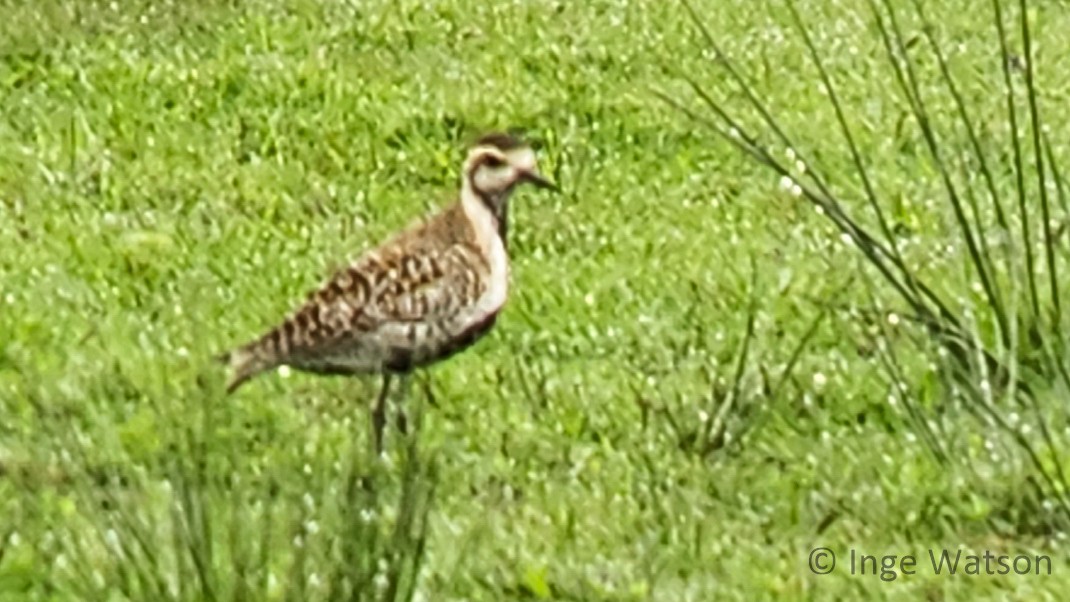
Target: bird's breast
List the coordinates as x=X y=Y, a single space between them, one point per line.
x=497 y=289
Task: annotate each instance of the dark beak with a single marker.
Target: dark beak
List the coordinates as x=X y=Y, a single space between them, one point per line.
x=536 y=178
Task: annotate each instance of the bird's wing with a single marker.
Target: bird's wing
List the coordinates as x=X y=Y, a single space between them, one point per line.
x=414 y=278
x=427 y=286
x=383 y=289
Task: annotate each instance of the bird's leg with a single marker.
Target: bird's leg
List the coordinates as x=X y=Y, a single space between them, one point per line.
x=429 y=392
x=379 y=415
x=402 y=418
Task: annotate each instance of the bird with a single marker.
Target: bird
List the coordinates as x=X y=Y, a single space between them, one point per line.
x=427 y=293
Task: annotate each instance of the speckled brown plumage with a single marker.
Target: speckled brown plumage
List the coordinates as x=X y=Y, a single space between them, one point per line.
x=416 y=282
x=422 y=296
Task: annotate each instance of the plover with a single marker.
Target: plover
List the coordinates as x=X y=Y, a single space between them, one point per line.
x=425 y=294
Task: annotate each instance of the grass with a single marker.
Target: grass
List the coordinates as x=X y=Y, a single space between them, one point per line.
x=695 y=383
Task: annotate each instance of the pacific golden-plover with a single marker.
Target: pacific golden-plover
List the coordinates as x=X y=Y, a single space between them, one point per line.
x=423 y=295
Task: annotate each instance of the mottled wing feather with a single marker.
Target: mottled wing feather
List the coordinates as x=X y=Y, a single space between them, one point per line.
x=384 y=295
x=386 y=309
x=431 y=287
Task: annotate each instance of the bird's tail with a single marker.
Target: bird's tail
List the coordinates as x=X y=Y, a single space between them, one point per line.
x=242 y=364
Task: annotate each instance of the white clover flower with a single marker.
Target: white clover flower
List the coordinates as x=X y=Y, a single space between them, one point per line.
x=820 y=380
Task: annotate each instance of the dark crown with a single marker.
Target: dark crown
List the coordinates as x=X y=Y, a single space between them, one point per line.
x=501 y=141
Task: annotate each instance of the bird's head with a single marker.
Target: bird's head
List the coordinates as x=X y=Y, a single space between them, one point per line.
x=496 y=164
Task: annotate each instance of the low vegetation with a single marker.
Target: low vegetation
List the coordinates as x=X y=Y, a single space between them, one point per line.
x=803 y=290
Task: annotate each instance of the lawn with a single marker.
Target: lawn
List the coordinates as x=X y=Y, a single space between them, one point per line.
x=697 y=380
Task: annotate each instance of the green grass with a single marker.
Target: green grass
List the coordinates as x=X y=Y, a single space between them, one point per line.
x=688 y=391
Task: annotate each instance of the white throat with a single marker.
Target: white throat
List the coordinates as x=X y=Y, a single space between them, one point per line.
x=481 y=214
x=490 y=242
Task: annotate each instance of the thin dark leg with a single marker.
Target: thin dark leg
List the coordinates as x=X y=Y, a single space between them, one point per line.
x=379 y=415
x=403 y=420
x=429 y=392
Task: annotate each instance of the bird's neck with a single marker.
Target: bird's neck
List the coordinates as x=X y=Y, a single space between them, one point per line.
x=489 y=212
